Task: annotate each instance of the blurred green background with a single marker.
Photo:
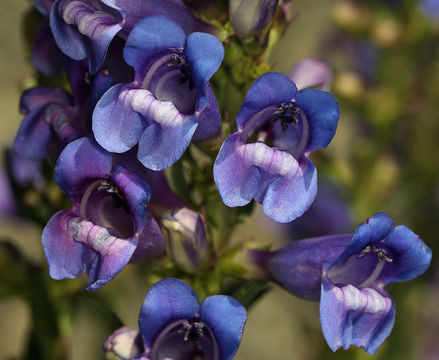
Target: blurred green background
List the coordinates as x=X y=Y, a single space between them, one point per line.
x=384 y=157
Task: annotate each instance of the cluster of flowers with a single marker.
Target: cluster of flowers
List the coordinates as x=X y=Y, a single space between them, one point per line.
x=139 y=74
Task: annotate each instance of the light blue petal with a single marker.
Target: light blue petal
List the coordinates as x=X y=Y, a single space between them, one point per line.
x=204 y=54
x=116 y=127
x=149 y=37
x=270 y=89
x=287 y=198
x=226 y=317
x=167 y=300
x=322 y=111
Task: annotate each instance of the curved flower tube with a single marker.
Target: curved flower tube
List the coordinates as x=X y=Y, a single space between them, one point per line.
x=54 y=116
x=169 y=102
x=108 y=225
x=348 y=274
x=84 y=29
x=174 y=325
x=266 y=159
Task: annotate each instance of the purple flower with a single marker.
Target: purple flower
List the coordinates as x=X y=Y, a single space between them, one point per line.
x=108 y=225
x=348 y=273
x=266 y=159
x=84 y=29
x=174 y=325
x=52 y=116
x=169 y=102
x=249 y=17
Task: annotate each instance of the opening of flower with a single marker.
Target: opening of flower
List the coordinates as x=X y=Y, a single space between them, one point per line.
x=105 y=205
x=287 y=113
x=186 y=340
x=180 y=62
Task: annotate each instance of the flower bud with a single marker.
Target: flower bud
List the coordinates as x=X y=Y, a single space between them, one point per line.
x=124 y=343
x=249 y=17
x=185 y=238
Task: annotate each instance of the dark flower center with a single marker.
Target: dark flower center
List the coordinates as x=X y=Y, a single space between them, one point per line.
x=104 y=204
x=284 y=127
x=361 y=270
x=169 y=78
x=185 y=340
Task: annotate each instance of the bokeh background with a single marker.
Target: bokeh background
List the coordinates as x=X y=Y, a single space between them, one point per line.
x=384 y=157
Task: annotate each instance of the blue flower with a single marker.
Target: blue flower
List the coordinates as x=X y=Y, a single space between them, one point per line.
x=84 y=29
x=108 y=225
x=348 y=274
x=169 y=102
x=266 y=159
x=52 y=116
x=173 y=324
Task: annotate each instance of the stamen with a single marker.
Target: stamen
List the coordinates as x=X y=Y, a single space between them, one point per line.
x=287 y=113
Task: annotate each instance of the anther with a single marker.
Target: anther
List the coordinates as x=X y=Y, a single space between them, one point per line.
x=287 y=113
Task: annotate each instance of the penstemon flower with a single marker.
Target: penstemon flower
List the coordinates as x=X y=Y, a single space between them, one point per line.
x=169 y=102
x=173 y=324
x=108 y=225
x=348 y=274
x=266 y=159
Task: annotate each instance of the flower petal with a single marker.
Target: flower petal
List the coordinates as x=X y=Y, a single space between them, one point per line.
x=350 y=316
x=82 y=160
x=136 y=191
x=35 y=98
x=63 y=254
x=287 y=198
x=149 y=37
x=84 y=29
x=411 y=257
x=33 y=136
x=238 y=181
x=116 y=126
x=270 y=89
x=167 y=300
x=322 y=112
x=204 y=54
x=209 y=122
x=226 y=317
x=167 y=137
x=107 y=254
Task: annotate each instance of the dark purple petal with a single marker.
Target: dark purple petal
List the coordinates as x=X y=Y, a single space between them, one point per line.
x=167 y=300
x=204 y=54
x=116 y=126
x=8 y=205
x=63 y=254
x=270 y=89
x=322 y=112
x=81 y=161
x=209 y=122
x=411 y=257
x=351 y=316
x=36 y=98
x=150 y=37
x=150 y=241
x=24 y=171
x=102 y=82
x=288 y=197
x=311 y=72
x=298 y=267
x=33 y=136
x=226 y=317
x=136 y=191
x=46 y=56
